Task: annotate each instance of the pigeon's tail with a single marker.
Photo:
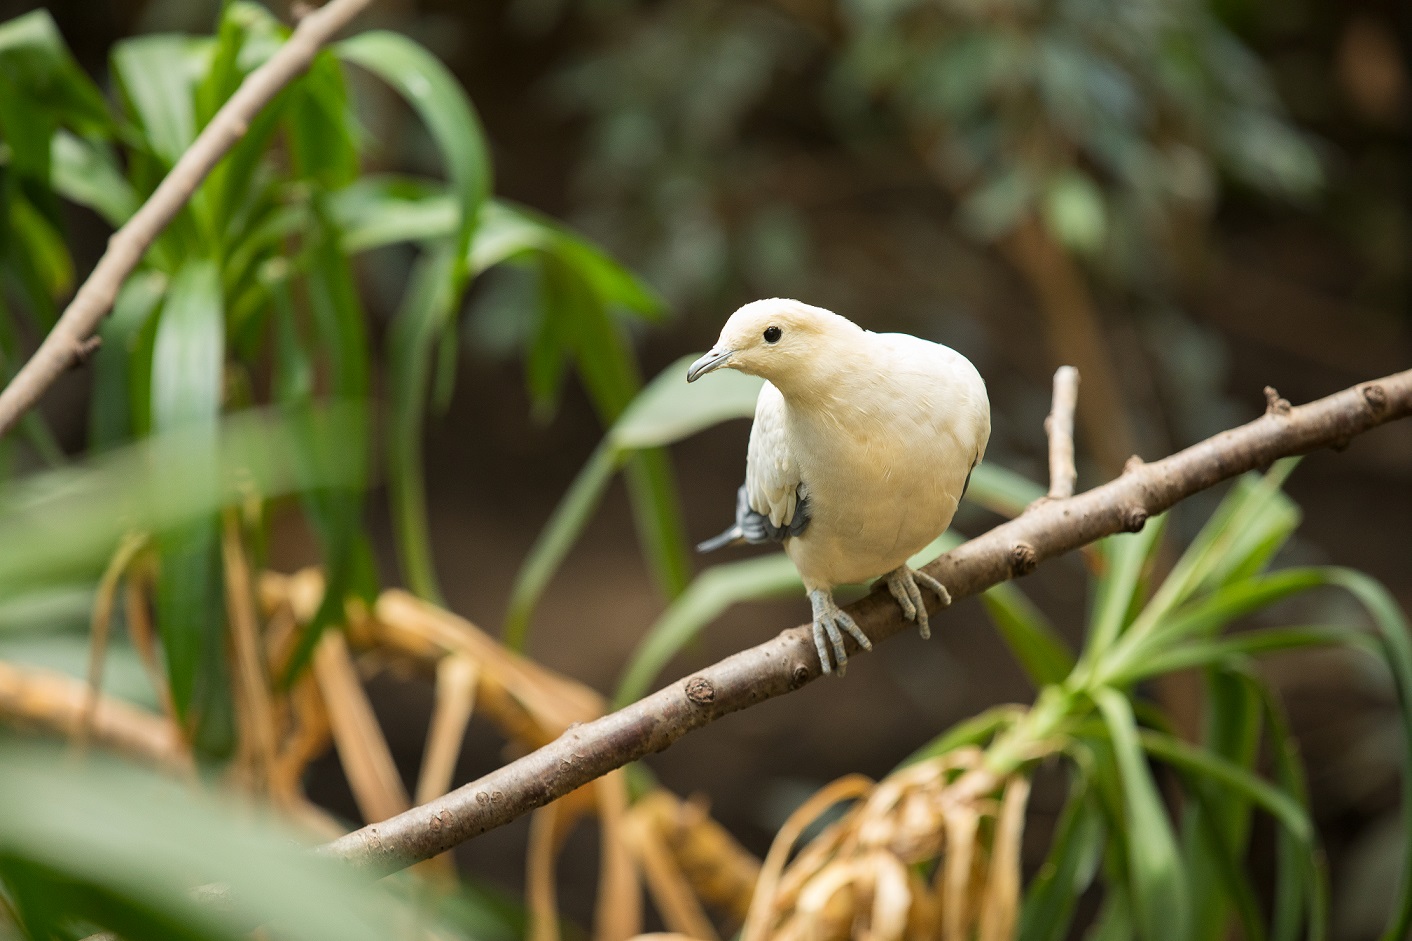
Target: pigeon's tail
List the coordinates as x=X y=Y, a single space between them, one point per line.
x=730 y=537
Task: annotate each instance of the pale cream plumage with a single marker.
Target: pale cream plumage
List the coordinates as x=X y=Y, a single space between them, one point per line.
x=861 y=449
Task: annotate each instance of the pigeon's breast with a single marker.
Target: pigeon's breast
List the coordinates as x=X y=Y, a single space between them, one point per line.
x=884 y=467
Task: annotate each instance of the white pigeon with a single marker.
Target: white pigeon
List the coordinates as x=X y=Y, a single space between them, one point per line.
x=862 y=447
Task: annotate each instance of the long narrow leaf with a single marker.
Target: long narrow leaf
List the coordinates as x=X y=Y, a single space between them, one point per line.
x=554 y=541
x=448 y=114
x=414 y=334
x=1213 y=652
x=666 y=411
x=1029 y=635
x=713 y=591
x=1397 y=647
x=1127 y=555
x=110 y=419
x=187 y=392
x=1067 y=871
x=1160 y=895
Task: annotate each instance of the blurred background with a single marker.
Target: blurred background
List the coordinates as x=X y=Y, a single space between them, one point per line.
x=1187 y=199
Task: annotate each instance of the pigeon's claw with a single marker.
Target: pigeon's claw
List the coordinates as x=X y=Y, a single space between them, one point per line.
x=903 y=582
x=828 y=618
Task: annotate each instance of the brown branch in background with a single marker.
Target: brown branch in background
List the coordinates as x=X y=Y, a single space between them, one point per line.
x=1074 y=334
x=1059 y=426
x=788 y=661
x=71 y=339
x=250 y=683
x=100 y=624
x=57 y=702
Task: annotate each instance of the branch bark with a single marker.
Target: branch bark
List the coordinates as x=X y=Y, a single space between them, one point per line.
x=787 y=662
x=71 y=339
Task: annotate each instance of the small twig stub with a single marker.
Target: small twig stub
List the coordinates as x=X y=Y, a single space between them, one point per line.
x=1059 y=426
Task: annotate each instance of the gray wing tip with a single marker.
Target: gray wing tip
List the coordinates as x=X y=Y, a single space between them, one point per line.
x=727 y=538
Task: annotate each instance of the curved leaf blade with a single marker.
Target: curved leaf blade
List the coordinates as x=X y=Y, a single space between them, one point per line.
x=1159 y=882
x=431 y=89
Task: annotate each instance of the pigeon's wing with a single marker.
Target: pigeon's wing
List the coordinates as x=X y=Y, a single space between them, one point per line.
x=770 y=505
x=771 y=475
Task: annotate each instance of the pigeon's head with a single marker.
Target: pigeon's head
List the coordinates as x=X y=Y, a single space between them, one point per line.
x=775 y=339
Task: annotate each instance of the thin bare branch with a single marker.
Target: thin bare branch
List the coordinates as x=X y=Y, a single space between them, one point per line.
x=56 y=702
x=788 y=661
x=1059 y=426
x=71 y=339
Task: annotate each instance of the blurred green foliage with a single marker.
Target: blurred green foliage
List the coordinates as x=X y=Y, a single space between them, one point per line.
x=1113 y=123
x=250 y=296
x=123 y=850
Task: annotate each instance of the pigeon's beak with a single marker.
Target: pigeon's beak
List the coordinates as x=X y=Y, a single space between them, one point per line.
x=714 y=359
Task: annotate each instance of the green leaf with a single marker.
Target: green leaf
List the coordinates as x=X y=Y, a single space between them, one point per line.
x=661 y=532
x=110 y=417
x=339 y=319
x=335 y=510
x=187 y=390
x=1209 y=766
x=1301 y=883
x=43 y=261
x=32 y=427
x=610 y=282
x=1067 y=871
x=1116 y=920
x=1029 y=635
x=86 y=172
x=1127 y=555
x=42 y=88
x=189 y=360
x=1204 y=617
x=35 y=58
x=130 y=861
x=448 y=114
x=61 y=526
x=1001 y=490
x=1159 y=883
x=233 y=195
x=321 y=126
x=1213 y=652
x=708 y=596
x=378 y=210
x=157 y=75
x=609 y=372
x=973 y=731
x=1242 y=525
x=552 y=544
x=1396 y=642
x=1216 y=860
x=414 y=333
x=668 y=410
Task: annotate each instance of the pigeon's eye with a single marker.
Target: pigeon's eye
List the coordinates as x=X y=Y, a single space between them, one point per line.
x=772 y=334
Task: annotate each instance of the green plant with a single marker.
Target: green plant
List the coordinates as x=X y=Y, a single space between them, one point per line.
x=250 y=295
x=1188 y=880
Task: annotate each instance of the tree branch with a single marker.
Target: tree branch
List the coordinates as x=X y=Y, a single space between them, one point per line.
x=1059 y=426
x=71 y=339
x=55 y=702
x=787 y=662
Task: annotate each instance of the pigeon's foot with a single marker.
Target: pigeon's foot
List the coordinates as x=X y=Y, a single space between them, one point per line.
x=903 y=582
x=828 y=618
